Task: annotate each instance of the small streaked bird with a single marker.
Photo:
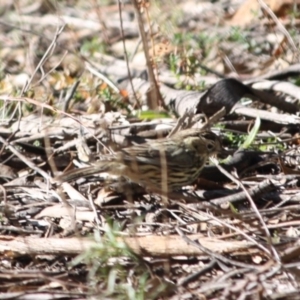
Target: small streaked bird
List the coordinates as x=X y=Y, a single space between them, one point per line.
x=165 y=164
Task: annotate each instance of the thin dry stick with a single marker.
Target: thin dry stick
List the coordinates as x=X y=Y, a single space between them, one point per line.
x=164 y=177
x=194 y=276
x=25 y=160
x=69 y=95
x=261 y=188
x=11 y=115
x=50 y=154
x=47 y=106
x=4 y=198
x=187 y=115
x=154 y=93
x=215 y=255
x=42 y=61
x=152 y=42
x=51 y=70
x=179 y=123
x=239 y=231
x=126 y=55
x=238 y=182
x=278 y=23
x=97 y=6
x=104 y=78
x=94 y=210
x=215 y=118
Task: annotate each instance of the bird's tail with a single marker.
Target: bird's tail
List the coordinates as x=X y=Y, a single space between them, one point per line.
x=83 y=172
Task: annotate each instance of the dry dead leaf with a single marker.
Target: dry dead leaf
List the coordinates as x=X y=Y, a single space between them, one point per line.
x=250 y=10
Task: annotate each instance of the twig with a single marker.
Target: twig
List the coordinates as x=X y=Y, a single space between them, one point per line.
x=25 y=160
x=111 y=84
x=278 y=23
x=254 y=207
x=209 y=252
x=126 y=55
x=239 y=231
x=195 y=276
x=58 y=32
x=154 y=94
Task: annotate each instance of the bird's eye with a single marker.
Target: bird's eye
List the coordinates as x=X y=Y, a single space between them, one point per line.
x=210 y=146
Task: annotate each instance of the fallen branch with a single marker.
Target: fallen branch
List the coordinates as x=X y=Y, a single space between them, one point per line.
x=162 y=246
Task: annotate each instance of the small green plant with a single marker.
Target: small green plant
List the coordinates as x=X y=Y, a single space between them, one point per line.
x=271 y=144
x=206 y=42
x=152 y=115
x=251 y=136
x=113 y=101
x=114 y=270
x=173 y=63
x=236 y=140
x=296 y=81
x=94 y=45
x=237 y=35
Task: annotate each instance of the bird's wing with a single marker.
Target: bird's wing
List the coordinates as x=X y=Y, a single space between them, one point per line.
x=150 y=153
